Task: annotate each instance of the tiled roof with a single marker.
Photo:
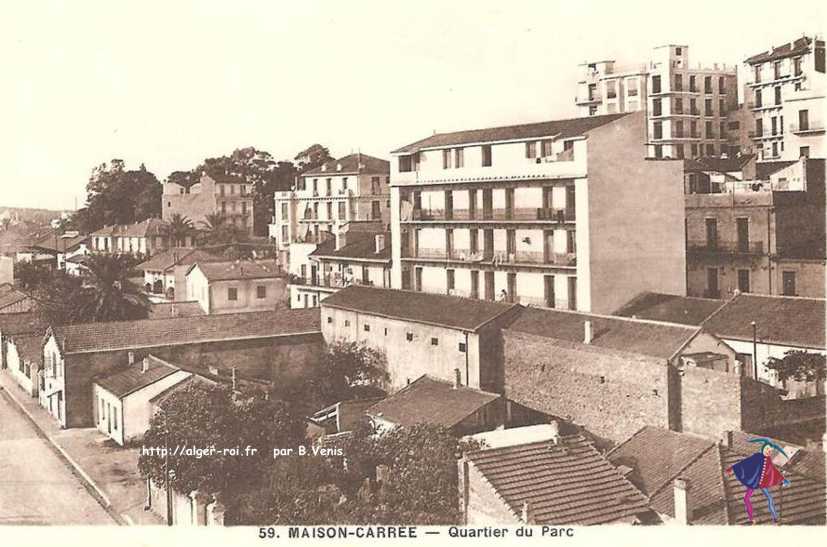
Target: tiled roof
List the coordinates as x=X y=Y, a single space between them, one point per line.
x=163 y=310
x=240 y=269
x=119 y=335
x=184 y=256
x=670 y=308
x=434 y=309
x=720 y=165
x=10 y=295
x=567 y=483
x=360 y=245
x=29 y=347
x=352 y=164
x=779 y=320
x=57 y=243
x=429 y=400
x=573 y=127
x=132 y=378
x=617 y=333
x=798 y=47
x=21 y=323
x=147 y=228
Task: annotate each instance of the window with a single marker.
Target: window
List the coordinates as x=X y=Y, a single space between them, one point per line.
x=788 y=283
x=347 y=322
x=778 y=95
x=459 y=157
x=656 y=84
x=434 y=341
x=531 y=150
x=657 y=109
x=710 y=149
x=611 y=89
x=722 y=130
x=803 y=120
x=386 y=331
x=708 y=107
x=446 y=159
x=694 y=148
x=707 y=84
x=486 y=155
x=678 y=51
x=819 y=59
x=375 y=210
x=328 y=186
x=342 y=213
x=115 y=418
x=804 y=151
x=678 y=129
x=366 y=327
x=679 y=151
x=284 y=234
x=722 y=85
x=375 y=185
x=232 y=293
x=658 y=151
x=708 y=127
x=631 y=87
x=658 y=130
x=721 y=107
x=678 y=106
x=743 y=280
x=462 y=347
x=797 y=66
x=774 y=125
x=261 y=291
x=678 y=82
x=693 y=107
x=545 y=147
x=409 y=336
x=329 y=320
x=450 y=280
x=758 y=102
x=692 y=86
x=776 y=69
x=405 y=164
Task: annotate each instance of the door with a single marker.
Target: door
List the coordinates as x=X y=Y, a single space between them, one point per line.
x=487 y=204
x=712 y=283
x=742 y=225
x=570 y=202
x=418 y=279
x=472 y=204
x=509 y=203
x=475 y=284
x=548 y=246
x=712 y=233
x=489 y=285
x=572 y=286
x=788 y=283
x=449 y=205
x=743 y=280
x=512 y=287
x=488 y=236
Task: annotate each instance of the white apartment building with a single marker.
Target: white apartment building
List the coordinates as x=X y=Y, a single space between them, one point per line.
x=566 y=213
x=785 y=91
x=686 y=107
x=354 y=188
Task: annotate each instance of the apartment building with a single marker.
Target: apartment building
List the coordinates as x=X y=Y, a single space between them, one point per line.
x=785 y=92
x=764 y=236
x=354 y=188
x=686 y=106
x=566 y=213
x=228 y=195
x=144 y=238
x=349 y=258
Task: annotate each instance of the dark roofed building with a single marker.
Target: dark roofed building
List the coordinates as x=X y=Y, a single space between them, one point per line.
x=358 y=246
x=433 y=401
x=565 y=481
x=351 y=164
x=670 y=308
x=240 y=269
x=13 y=300
x=799 y=46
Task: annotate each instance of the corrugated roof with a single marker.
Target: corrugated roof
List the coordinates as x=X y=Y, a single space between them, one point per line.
x=781 y=320
x=622 y=334
x=428 y=400
x=670 y=308
x=360 y=245
x=567 y=483
x=163 y=310
x=240 y=269
x=798 y=47
x=133 y=378
x=115 y=335
x=352 y=164
x=573 y=127
x=435 y=309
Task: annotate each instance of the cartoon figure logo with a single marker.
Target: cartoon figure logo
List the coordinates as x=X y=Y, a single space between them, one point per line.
x=758 y=471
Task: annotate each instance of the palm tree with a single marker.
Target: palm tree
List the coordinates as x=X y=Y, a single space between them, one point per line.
x=179 y=228
x=108 y=293
x=218 y=231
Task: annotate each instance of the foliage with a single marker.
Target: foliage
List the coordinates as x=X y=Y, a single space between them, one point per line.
x=799 y=365
x=180 y=227
x=216 y=230
x=311 y=157
x=115 y=195
x=103 y=294
x=30 y=275
x=212 y=416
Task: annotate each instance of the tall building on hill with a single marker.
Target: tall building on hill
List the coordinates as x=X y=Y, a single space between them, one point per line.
x=228 y=195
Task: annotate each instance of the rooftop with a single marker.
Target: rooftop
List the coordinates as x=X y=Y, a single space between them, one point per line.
x=146 y=333
x=10 y=295
x=60 y=243
x=145 y=228
x=359 y=245
x=29 y=347
x=175 y=256
x=428 y=400
x=133 y=378
x=21 y=323
x=782 y=320
x=574 y=127
x=163 y=310
x=434 y=309
x=717 y=164
x=670 y=308
x=351 y=165
x=239 y=269
x=564 y=483
x=789 y=49
x=617 y=333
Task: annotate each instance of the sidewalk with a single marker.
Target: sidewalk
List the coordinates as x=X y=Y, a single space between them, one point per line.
x=108 y=471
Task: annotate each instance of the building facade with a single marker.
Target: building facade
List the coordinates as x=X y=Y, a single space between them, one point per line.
x=238 y=286
x=139 y=239
x=785 y=91
x=228 y=195
x=353 y=188
x=565 y=214
x=686 y=107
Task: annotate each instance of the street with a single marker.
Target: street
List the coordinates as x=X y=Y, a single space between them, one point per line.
x=36 y=486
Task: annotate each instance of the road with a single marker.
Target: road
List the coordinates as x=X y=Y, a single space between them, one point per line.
x=36 y=486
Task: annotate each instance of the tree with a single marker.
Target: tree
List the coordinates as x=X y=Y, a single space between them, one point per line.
x=799 y=365
x=311 y=157
x=216 y=230
x=103 y=294
x=30 y=275
x=180 y=227
x=187 y=179
x=213 y=416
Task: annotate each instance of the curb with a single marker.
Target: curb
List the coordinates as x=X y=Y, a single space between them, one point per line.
x=87 y=481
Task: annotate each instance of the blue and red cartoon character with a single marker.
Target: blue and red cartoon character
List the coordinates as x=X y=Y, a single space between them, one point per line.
x=758 y=471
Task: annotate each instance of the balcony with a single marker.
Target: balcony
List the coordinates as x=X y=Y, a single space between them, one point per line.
x=517 y=214
x=494 y=258
x=726 y=247
x=567 y=164
x=591 y=99
x=807 y=129
x=329 y=281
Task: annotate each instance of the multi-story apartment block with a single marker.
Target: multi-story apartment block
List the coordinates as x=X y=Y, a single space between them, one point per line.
x=686 y=107
x=349 y=258
x=765 y=235
x=227 y=195
x=139 y=239
x=566 y=213
x=785 y=91
x=351 y=189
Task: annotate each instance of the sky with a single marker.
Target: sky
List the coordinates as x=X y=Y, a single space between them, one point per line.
x=168 y=84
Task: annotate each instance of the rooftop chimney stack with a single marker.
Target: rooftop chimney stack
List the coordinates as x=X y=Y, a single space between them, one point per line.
x=587 y=332
x=380 y=243
x=457 y=378
x=681 y=501
x=554 y=430
x=144 y=365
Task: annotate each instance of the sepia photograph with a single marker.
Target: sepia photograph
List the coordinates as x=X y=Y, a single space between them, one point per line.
x=430 y=272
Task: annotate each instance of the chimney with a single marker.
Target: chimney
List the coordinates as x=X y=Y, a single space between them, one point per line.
x=144 y=365
x=341 y=239
x=457 y=379
x=554 y=427
x=527 y=517
x=681 y=501
x=131 y=357
x=587 y=332
x=380 y=243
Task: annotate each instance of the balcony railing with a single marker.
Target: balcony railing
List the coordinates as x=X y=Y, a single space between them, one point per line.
x=733 y=247
x=329 y=281
x=517 y=214
x=812 y=127
x=495 y=257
